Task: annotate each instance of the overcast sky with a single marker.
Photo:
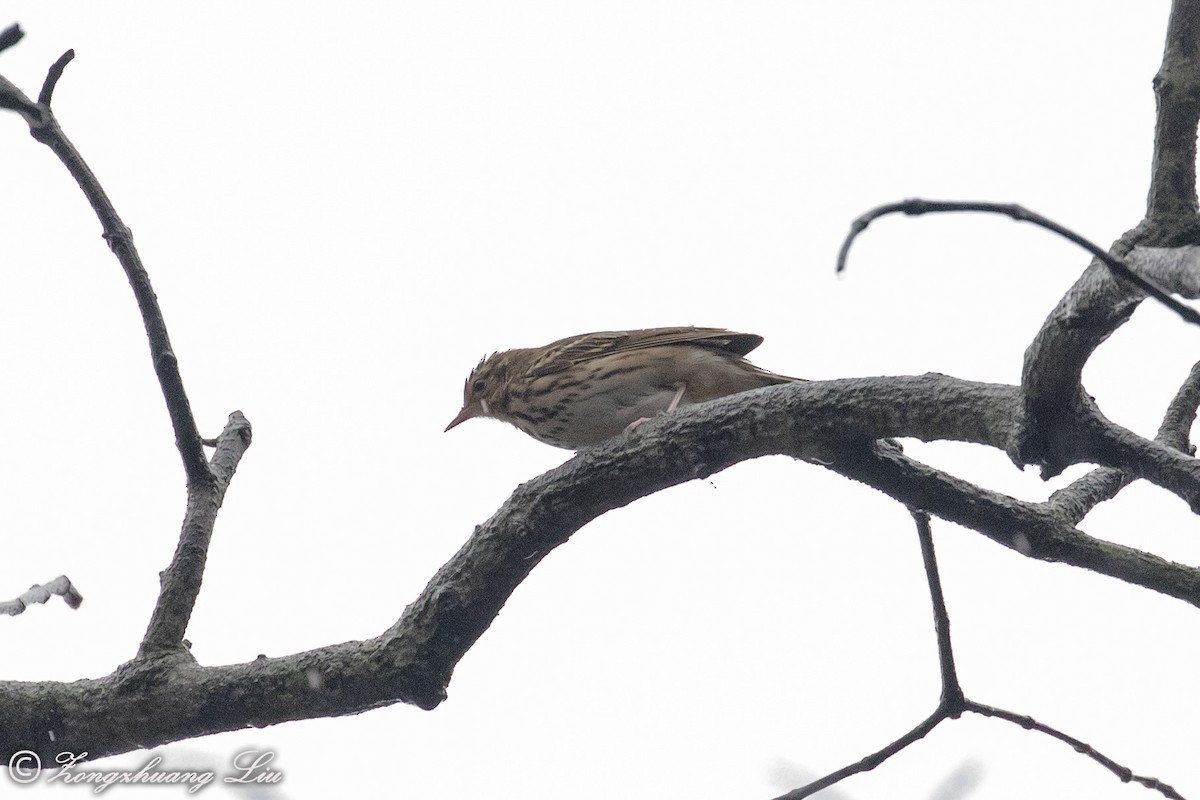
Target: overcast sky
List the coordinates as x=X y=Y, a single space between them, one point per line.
x=343 y=208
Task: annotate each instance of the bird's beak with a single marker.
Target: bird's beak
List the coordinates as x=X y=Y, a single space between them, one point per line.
x=468 y=411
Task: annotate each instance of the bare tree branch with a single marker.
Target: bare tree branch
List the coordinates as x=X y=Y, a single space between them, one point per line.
x=1181 y=414
x=952 y=693
x=953 y=702
x=917 y=207
x=44 y=128
x=52 y=76
x=1175 y=269
x=10 y=36
x=1171 y=202
x=1028 y=723
x=870 y=762
x=1095 y=306
x=142 y=708
x=835 y=420
x=14 y=99
x=1054 y=362
x=1028 y=528
x=61 y=586
x=419 y=652
x=1087 y=436
x=180 y=582
x=1049 y=421
x=1076 y=501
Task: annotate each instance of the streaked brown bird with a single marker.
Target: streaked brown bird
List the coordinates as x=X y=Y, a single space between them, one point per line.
x=585 y=389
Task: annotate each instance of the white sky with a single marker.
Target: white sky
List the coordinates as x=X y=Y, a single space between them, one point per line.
x=343 y=208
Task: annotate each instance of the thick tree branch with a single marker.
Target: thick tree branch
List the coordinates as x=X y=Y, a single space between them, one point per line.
x=1086 y=315
x=12 y=98
x=1029 y=528
x=135 y=708
x=413 y=661
x=1177 y=423
x=180 y=582
x=831 y=421
x=1096 y=306
x=1087 y=436
x=1074 y=502
x=163 y=695
x=1171 y=201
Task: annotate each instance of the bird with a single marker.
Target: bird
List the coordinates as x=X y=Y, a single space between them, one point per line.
x=586 y=389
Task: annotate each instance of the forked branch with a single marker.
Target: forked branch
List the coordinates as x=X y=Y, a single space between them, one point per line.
x=953 y=702
x=207 y=483
x=1075 y=501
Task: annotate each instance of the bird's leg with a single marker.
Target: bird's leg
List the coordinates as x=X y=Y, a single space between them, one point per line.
x=675 y=400
x=674 y=404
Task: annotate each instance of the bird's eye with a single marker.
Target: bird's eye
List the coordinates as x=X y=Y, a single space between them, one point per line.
x=477 y=386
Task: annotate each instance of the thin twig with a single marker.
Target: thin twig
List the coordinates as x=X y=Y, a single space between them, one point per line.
x=952 y=701
x=1029 y=723
x=917 y=206
x=953 y=698
x=870 y=762
x=45 y=128
x=952 y=693
x=52 y=76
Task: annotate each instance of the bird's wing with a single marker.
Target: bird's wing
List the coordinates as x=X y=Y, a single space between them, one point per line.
x=569 y=352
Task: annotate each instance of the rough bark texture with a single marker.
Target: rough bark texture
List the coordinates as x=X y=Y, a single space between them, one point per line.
x=163 y=695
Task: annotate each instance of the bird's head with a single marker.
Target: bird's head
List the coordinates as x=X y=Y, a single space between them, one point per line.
x=484 y=390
